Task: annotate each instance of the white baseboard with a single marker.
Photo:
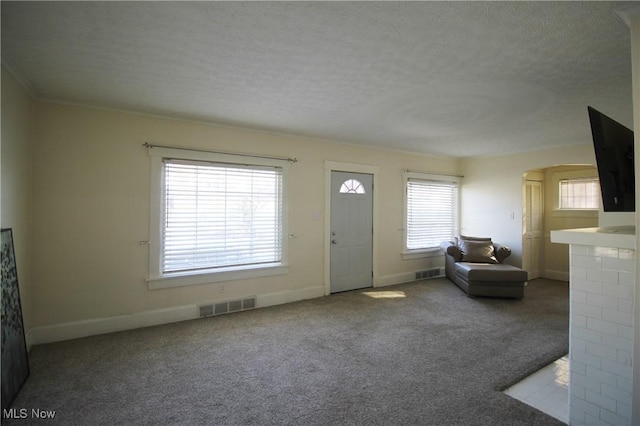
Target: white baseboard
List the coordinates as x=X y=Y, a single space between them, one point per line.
x=279 y=298
x=28 y=337
x=91 y=327
x=403 y=277
x=556 y=275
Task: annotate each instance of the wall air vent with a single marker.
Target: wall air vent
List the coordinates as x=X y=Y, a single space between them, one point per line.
x=249 y=303
x=430 y=273
x=206 y=310
x=226 y=307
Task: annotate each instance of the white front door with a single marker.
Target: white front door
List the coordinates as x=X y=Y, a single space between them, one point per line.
x=532 y=229
x=351 y=231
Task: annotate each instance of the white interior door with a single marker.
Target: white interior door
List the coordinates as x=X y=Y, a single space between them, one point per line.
x=532 y=229
x=351 y=231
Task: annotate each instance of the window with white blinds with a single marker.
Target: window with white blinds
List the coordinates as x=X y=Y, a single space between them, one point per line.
x=431 y=211
x=581 y=193
x=220 y=215
x=216 y=217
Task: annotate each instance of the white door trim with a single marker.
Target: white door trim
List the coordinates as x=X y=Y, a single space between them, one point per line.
x=331 y=166
x=532 y=261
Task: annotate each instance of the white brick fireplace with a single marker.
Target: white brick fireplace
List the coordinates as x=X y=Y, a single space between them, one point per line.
x=601 y=338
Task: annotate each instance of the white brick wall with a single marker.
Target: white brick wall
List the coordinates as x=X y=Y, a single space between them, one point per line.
x=601 y=335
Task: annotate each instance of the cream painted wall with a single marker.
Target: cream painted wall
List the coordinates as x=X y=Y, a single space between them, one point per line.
x=17 y=125
x=492 y=192
x=91 y=210
x=556 y=256
x=91 y=197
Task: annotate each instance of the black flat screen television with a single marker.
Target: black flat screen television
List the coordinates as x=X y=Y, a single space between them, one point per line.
x=613 y=145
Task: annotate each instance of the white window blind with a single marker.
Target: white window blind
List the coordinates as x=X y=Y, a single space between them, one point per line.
x=580 y=193
x=218 y=215
x=432 y=213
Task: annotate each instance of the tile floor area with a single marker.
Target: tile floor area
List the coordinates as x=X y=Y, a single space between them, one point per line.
x=547 y=390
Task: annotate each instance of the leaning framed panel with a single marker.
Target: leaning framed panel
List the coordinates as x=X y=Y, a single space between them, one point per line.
x=15 y=362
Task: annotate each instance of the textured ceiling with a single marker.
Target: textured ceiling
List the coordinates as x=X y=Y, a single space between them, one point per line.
x=452 y=78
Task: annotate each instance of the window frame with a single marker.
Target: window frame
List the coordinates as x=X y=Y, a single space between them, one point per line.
x=156 y=279
x=578 y=179
x=407 y=253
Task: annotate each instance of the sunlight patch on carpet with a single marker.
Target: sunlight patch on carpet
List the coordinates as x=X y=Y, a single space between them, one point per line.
x=385 y=294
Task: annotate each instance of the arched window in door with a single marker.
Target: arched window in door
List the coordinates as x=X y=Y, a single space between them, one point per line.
x=351 y=186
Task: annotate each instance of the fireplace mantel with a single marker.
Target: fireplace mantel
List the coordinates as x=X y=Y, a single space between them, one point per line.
x=611 y=236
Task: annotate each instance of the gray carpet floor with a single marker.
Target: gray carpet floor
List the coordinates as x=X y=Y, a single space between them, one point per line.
x=418 y=354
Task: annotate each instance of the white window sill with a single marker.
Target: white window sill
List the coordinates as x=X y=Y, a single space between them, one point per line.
x=586 y=213
x=181 y=280
x=421 y=254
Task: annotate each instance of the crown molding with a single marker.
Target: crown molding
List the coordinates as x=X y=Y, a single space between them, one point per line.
x=22 y=81
x=628 y=12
